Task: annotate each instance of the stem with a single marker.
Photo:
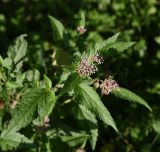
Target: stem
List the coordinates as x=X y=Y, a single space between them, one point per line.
x=154 y=141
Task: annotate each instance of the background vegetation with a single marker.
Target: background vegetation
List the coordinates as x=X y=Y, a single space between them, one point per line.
x=136 y=68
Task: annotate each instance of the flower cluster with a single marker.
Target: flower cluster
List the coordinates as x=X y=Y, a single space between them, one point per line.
x=97 y=58
x=108 y=85
x=88 y=66
x=81 y=29
x=85 y=68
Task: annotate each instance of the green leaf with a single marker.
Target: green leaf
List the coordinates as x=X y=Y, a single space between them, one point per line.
x=82 y=18
x=157 y=39
x=1 y=59
x=28 y=105
x=47 y=104
x=7 y=62
x=103 y=44
x=156 y=126
x=75 y=139
x=17 y=51
x=130 y=96
x=88 y=122
x=72 y=82
x=91 y=100
x=48 y=82
x=117 y=47
x=11 y=140
x=57 y=28
x=32 y=75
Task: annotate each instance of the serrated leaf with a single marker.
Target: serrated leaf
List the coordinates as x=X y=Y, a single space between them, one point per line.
x=71 y=83
x=28 y=105
x=47 y=104
x=17 y=51
x=119 y=47
x=103 y=44
x=112 y=39
x=74 y=139
x=57 y=28
x=91 y=100
x=88 y=122
x=130 y=96
x=11 y=140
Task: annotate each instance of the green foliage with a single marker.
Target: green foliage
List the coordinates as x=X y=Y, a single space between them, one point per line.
x=57 y=27
x=18 y=51
x=88 y=121
x=46 y=105
x=130 y=96
x=11 y=140
x=38 y=100
x=104 y=44
x=71 y=83
x=91 y=100
x=75 y=139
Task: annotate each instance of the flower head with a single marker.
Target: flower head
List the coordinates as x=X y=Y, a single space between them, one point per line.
x=81 y=29
x=108 y=85
x=97 y=58
x=88 y=66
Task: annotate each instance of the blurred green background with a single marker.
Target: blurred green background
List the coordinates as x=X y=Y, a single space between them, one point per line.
x=137 y=69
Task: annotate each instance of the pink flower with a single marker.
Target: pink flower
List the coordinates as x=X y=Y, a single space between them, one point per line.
x=88 y=66
x=81 y=29
x=108 y=85
x=97 y=58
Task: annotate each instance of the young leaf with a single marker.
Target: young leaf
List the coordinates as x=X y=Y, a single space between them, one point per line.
x=103 y=44
x=57 y=28
x=130 y=96
x=7 y=62
x=82 y=18
x=156 y=126
x=91 y=100
x=117 y=47
x=88 y=122
x=17 y=51
x=112 y=39
x=11 y=140
x=48 y=82
x=26 y=110
x=72 y=82
x=74 y=139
